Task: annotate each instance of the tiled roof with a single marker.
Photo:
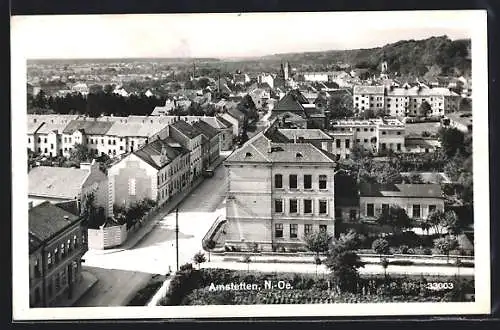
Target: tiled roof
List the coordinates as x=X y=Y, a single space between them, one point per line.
x=289 y=103
x=307 y=134
x=50 y=122
x=56 y=182
x=224 y=121
x=206 y=129
x=151 y=153
x=90 y=127
x=234 y=112
x=186 y=129
x=401 y=190
x=261 y=149
x=139 y=129
x=421 y=142
x=368 y=89
x=46 y=220
x=33 y=127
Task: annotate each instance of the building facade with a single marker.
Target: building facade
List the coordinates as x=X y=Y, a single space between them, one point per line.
x=57 y=242
x=278 y=192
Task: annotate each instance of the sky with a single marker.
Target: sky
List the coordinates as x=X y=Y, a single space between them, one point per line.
x=226 y=35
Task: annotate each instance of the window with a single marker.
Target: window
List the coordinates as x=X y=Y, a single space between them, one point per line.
x=278 y=206
x=322 y=181
x=352 y=214
x=399 y=146
x=385 y=208
x=45 y=150
x=347 y=143
x=358 y=140
x=365 y=129
x=63 y=251
x=278 y=181
x=365 y=140
x=384 y=146
x=307 y=228
x=384 y=132
x=75 y=241
x=337 y=144
x=131 y=186
x=40 y=140
x=370 y=210
x=322 y=207
x=398 y=133
x=371 y=129
x=307 y=206
x=29 y=140
x=293 y=181
x=37 y=269
x=357 y=129
x=432 y=208
x=278 y=230
x=307 y=181
x=45 y=140
x=293 y=230
x=293 y=206
x=322 y=228
x=416 y=210
x=68 y=244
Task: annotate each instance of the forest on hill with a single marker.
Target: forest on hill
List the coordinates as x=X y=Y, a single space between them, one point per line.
x=441 y=55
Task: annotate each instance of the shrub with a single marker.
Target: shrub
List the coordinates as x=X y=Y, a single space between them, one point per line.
x=403 y=249
x=427 y=251
x=402 y=262
x=186 y=267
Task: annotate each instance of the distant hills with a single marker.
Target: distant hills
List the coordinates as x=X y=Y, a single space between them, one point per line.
x=408 y=58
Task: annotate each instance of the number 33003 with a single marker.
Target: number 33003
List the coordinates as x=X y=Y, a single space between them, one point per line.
x=440 y=285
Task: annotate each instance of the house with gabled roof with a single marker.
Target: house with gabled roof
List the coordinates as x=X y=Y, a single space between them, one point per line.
x=158 y=171
x=278 y=192
x=418 y=200
x=64 y=184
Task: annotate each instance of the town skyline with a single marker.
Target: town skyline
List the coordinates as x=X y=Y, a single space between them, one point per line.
x=137 y=36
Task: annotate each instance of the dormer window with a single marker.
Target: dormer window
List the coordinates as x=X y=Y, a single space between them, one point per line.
x=298 y=155
x=248 y=154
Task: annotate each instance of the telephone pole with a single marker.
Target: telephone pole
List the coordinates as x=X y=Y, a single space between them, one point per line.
x=177 y=237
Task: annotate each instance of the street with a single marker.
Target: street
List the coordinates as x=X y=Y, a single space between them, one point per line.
x=155 y=253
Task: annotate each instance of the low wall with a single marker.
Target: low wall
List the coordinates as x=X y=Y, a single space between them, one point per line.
x=162 y=292
x=100 y=239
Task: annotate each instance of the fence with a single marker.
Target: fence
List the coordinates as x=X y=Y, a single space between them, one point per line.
x=106 y=237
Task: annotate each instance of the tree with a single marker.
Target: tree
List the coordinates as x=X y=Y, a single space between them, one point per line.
x=317 y=262
x=339 y=106
x=452 y=141
x=199 y=258
x=425 y=108
x=80 y=153
x=385 y=263
x=395 y=217
x=318 y=241
x=380 y=246
x=247 y=260
x=210 y=245
x=465 y=104
x=446 y=244
x=344 y=262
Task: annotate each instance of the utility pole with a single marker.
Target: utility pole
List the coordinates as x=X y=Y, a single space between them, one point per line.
x=177 y=237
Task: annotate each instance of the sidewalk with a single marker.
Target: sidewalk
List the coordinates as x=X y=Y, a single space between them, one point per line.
x=136 y=237
x=310 y=259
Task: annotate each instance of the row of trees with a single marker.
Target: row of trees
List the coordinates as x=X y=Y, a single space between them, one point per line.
x=94 y=104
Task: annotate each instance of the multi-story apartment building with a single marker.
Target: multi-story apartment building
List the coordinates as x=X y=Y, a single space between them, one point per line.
x=191 y=139
x=278 y=191
x=45 y=133
x=418 y=200
x=373 y=134
x=157 y=171
x=211 y=135
x=57 y=242
x=406 y=101
x=369 y=97
x=89 y=132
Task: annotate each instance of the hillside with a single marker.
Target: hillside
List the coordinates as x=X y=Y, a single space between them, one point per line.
x=439 y=55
